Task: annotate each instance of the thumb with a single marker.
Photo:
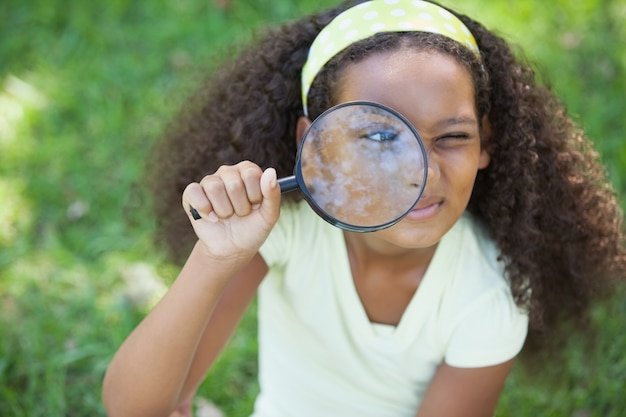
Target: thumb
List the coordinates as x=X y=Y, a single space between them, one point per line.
x=270 y=206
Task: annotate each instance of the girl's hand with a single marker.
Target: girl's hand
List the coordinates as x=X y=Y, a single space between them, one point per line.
x=239 y=206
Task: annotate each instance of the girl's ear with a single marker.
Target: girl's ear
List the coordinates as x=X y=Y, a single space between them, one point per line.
x=485 y=143
x=301 y=127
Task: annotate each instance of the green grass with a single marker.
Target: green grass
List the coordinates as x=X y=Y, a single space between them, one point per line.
x=86 y=87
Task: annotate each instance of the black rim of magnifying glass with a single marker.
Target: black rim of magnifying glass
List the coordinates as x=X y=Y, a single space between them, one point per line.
x=297 y=181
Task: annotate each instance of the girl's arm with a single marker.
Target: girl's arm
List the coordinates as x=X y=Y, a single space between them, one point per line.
x=224 y=320
x=164 y=358
x=465 y=392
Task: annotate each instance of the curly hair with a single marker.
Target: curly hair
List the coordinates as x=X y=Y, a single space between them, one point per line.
x=544 y=197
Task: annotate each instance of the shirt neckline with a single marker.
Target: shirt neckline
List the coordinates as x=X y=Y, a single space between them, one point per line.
x=431 y=284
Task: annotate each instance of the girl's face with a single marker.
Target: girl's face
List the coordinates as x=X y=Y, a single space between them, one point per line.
x=436 y=94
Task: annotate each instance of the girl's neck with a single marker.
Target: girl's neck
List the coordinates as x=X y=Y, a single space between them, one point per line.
x=367 y=251
x=385 y=276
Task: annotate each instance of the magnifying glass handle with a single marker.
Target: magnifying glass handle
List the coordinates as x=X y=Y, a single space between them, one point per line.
x=194 y=213
x=286 y=185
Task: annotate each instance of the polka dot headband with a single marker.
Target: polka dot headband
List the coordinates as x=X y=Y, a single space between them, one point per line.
x=372 y=17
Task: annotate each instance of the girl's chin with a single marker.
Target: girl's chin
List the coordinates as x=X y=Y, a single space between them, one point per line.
x=408 y=235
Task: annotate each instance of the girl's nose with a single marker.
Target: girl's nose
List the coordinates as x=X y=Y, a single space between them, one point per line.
x=433 y=168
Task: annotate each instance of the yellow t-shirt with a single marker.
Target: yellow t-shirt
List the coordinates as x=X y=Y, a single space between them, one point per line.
x=319 y=355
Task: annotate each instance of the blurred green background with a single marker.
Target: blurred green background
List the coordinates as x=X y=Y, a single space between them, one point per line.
x=86 y=88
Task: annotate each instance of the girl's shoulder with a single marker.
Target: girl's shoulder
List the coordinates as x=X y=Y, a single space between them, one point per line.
x=480 y=323
x=467 y=271
x=470 y=243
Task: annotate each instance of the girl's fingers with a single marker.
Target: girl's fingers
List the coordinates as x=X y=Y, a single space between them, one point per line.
x=232 y=190
x=271 y=194
x=251 y=176
x=241 y=184
x=215 y=190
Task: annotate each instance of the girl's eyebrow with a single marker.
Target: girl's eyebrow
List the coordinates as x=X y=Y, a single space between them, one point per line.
x=453 y=121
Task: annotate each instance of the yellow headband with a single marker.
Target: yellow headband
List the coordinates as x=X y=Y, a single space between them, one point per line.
x=372 y=17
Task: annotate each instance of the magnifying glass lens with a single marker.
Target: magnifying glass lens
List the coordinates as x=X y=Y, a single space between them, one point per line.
x=361 y=166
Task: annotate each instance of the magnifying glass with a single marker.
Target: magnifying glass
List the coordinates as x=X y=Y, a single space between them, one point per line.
x=361 y=166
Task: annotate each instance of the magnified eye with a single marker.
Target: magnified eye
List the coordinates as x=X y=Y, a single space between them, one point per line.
x=380 y=136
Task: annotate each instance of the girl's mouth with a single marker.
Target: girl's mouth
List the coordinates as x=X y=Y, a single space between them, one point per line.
x=426 y=208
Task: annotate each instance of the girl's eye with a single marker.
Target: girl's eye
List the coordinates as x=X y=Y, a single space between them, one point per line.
x=452 y=140
x=458 y=136
x=380 y=136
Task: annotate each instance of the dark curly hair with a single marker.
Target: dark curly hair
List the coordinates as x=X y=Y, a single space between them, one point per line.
x=544 y=197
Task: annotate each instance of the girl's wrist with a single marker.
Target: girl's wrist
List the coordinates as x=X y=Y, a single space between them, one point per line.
x=218 y=265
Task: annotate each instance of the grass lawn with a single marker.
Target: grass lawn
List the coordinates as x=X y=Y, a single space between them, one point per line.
x=85 y=89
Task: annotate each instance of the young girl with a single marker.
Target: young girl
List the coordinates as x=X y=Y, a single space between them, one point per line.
x=517 y=227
